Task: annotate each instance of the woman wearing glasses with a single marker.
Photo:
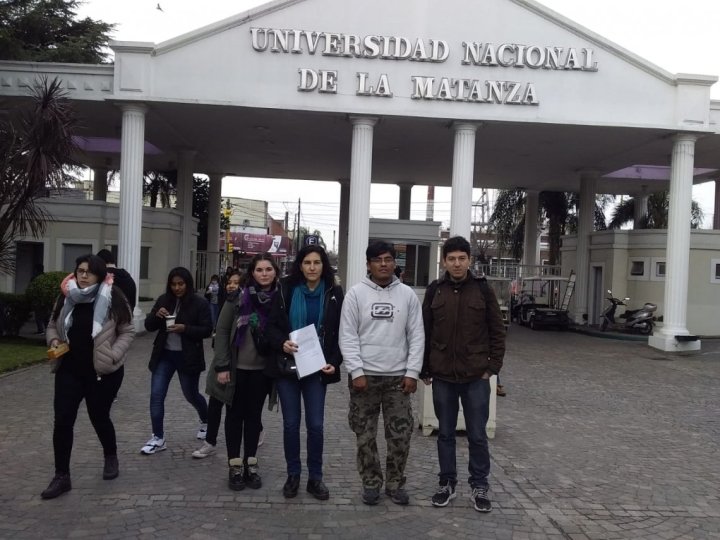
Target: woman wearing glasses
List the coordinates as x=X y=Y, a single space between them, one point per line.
x=93 y=318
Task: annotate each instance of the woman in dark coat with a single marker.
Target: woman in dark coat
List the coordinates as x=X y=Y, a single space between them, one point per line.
x=182 y=320
x=308 y=296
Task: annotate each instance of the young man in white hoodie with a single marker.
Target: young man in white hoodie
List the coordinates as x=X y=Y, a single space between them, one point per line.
x=382 y=340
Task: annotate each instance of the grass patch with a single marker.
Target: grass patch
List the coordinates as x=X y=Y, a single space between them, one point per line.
x=17 y=352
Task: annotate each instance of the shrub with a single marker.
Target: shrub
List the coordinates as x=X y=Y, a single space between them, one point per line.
x=43 y=290
x=14 y=311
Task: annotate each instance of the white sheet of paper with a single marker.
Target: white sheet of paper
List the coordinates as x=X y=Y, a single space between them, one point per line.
x=309 y=357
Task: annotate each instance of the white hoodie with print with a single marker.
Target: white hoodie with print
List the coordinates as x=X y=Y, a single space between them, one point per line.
x=381 y=330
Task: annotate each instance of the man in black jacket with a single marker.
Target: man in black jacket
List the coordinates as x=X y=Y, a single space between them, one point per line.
x=464 y=347
x=121 y=277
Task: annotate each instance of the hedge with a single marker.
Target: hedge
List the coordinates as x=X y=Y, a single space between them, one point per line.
x=14 y=311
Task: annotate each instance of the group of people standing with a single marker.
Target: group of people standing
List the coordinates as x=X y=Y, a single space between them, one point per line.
x=388 y=340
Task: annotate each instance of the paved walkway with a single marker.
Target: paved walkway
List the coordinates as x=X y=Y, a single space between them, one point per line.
x=597 y=439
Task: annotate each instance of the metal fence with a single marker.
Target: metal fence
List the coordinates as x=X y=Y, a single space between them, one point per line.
x=515 y=271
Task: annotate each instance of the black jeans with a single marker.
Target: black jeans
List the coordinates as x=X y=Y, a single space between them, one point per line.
x=70 y=390
x=244 y=417
x=215 y=407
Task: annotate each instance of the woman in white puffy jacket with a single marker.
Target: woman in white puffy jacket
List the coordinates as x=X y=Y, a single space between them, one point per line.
x=93 y=318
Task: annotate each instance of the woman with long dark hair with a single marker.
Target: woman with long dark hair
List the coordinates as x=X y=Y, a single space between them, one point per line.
x=237 y=377
x=93 y=318
x=182 y=320
x=308 y=296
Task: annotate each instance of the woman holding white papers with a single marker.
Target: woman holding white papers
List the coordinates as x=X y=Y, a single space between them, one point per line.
x=308 y=296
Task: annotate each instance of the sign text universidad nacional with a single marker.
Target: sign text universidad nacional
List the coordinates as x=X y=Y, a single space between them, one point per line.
x=501 y=56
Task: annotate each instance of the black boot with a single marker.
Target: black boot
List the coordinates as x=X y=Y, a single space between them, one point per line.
x=58 y=485
x=292 y=484
x=318 y=489
x=236 y=480
x=111 y=469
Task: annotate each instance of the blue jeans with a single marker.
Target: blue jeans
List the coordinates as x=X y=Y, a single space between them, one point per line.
x=475 y=398
x=170 y=362
x=312 y=390
x=214 y=312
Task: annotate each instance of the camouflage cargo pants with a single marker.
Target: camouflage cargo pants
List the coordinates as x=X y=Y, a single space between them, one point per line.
x=382 y=393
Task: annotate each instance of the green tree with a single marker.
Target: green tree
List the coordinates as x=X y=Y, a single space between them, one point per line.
x=656 y=215
x=555 y=208
x=36 y=150
x=49 y=31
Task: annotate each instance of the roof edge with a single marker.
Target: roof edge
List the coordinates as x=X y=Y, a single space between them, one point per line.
x=222 y=25
x=60 y=67
x=582 y=31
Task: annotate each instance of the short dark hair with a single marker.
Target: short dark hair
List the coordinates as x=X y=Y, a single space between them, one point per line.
x=378 y=248
x=107 y=256
x=296 y=274
x=456 y=243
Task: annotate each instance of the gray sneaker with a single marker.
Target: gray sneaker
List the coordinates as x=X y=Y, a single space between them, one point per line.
x=444 y=495
x=480 y=499
x=204 y=451
x=370 y=496
x=398 y=496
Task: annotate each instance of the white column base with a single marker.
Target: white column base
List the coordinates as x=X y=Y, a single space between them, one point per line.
x=139 y=321
x=670 y=344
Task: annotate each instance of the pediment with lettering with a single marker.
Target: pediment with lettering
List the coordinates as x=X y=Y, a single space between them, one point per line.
x=504 y=60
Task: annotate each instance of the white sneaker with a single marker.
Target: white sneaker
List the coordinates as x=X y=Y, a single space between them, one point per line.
x=156 y=444
x=202 y=432
x=261 y=439
x=204 y=451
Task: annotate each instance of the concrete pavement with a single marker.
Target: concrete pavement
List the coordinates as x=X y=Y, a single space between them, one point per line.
x=597 y=439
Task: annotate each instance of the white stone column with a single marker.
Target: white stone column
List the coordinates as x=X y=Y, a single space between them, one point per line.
x=530 y=244
x=677 y=256
x=405 y=200
x=100 y=183
x=132 y=150
x=186 y=159
x=462 y=179
x=343 y=230
x=639 y=210
x=213 y=228
x=586 y=213
x=360 y=180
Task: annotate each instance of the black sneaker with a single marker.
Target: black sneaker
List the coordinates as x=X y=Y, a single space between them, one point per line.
x=444 y=495
x=318 y=489
x=398 y=496
x=292 y=484
x=480 y=499
x=251 y=476
x=370 y=496
x=58 y=485
x=236 y=480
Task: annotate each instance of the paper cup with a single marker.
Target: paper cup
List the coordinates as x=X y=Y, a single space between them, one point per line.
x=170 y=321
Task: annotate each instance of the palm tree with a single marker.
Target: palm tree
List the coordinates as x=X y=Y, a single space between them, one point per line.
x=558 y=209
x=35 y=156
x=656 y=217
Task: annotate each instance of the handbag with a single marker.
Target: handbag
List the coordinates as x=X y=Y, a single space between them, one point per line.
x=285 y=364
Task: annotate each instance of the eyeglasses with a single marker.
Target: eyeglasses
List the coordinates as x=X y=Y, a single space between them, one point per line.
x=381 y=260
x=83 y=272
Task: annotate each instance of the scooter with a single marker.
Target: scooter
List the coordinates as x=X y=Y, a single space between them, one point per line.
x=641 y=320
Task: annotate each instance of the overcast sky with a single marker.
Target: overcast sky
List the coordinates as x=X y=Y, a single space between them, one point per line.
x=680 y=37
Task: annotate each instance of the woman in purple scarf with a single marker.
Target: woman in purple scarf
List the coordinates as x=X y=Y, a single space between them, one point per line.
x=238 y=365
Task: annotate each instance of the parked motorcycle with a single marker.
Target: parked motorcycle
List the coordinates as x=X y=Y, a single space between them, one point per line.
x=641 y=320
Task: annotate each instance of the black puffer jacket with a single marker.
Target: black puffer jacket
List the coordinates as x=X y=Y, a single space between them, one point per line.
x=194 y=313
x=278 y=327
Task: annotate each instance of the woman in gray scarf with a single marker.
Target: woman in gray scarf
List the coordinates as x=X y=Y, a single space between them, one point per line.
x=93 y=318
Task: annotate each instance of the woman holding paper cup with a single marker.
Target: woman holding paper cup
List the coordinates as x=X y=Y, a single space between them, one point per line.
x=309 y=296
x=182 y=320
x=92 y=322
